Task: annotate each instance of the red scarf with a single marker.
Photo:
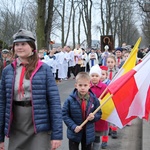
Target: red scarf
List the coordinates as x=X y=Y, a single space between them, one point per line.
x=83 y=107
x=4 y=63
x=110 y=75
x=21 y=88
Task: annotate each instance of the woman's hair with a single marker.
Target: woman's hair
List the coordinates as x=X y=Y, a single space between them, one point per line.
x=33 y=59
x=82 y=75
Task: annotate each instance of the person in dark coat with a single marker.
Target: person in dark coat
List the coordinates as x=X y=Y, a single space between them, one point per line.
x=79 y=106
x=30 y=109
x=4 y=60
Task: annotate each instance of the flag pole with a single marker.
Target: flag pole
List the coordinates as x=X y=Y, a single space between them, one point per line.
x=96 y=110
x=103 y=93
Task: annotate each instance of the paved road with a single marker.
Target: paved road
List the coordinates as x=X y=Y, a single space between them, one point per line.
x=129 y=138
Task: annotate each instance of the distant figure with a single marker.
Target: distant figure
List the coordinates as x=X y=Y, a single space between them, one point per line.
x=4 y=60
x=118 y=55
x=105 y=54
x=93 y=58
x=77 y=58
x=84 y=60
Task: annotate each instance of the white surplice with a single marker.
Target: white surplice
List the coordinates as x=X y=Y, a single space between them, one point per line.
x=63 y=65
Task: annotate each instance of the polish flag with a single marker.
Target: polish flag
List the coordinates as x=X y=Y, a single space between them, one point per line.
x=129 y=96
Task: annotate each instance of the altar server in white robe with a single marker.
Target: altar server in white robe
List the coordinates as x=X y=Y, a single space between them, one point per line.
x=92 y=58
x=63 y=64
x=71 y=62
x=51 y=61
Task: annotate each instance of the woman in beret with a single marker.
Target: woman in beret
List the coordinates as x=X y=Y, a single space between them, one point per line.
x=30 y=110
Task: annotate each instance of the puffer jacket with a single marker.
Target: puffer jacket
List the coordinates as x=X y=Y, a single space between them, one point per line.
x=46 y=108
x=72 y=116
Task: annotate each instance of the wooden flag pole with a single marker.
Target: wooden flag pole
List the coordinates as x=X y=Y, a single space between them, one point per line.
x=96 y=110
x=103 y=93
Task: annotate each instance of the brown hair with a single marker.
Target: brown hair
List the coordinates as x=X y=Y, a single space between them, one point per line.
x=33 y=60
x=82 y=75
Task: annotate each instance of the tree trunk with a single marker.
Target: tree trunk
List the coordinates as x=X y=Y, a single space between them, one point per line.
x=40 y=33
x=73 y=27
x=63 y=24
x=69 y=22
x=49 y=21
x=88 y=11
x=102 y=18
x=79 y=27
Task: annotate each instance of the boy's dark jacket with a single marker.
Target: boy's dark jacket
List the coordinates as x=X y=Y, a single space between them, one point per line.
x=72 y=116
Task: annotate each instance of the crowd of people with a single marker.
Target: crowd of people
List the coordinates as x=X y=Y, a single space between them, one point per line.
x=66 y=61
x=73 y=61
x=30 y=109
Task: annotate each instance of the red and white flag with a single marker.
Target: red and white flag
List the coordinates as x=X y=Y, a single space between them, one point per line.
x=129 y=96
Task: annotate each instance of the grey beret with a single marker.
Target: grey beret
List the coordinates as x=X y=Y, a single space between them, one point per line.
x=23 y=36
x=5 y=51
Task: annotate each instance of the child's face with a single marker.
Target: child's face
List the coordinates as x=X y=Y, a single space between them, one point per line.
x=41 y=53
x=104 y=75
x=83 y=86
x=110 y=63
x=95 y=78
x=4 y=55
x=118 y=54
x=125 y=56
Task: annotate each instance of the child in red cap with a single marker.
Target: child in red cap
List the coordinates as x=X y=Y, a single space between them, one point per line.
x=104 y=77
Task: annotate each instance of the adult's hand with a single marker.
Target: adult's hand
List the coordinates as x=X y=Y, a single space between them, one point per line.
x=55 y=144
x=2 y=146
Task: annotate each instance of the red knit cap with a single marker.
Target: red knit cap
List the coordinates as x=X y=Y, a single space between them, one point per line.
x=104 y=68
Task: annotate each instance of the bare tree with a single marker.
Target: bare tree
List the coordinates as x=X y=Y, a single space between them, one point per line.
x=40 y=29
x=76 y=19
x=49 y=21
x=29 y=17
x=145 y=17
x=109 y=13
x=44 y=22
x=11 y=19
x=79 y=26
x=144 y=5
x=117 y=20
x=65 y=19
x=87 y=16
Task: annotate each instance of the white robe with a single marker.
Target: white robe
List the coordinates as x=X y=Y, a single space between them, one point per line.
x=77 y=56
x=95 y=61
x=71 y=59
x=50 y=62
x=63 y=65
x=84 y=60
